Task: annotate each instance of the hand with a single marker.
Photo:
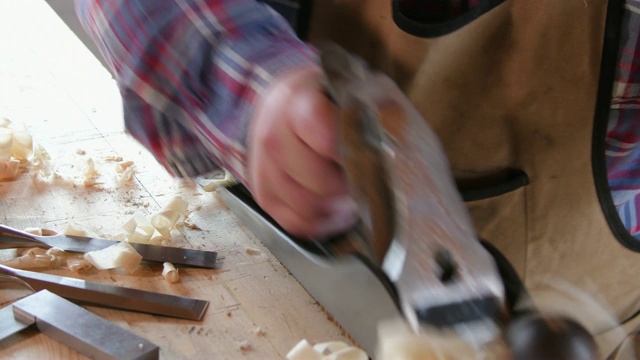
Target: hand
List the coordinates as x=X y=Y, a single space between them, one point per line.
x=293 y=169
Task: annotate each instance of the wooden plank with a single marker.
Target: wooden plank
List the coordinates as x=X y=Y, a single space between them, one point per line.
x=49 y=81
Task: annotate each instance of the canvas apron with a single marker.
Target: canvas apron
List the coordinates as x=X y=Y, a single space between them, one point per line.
x=512 y=96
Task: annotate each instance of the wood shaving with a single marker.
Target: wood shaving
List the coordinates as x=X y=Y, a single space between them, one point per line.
x=398 y=342
x=10 y=169
x=55 y=251
x=113 y=158
x=81 y=152
x=22 y=142
x=303 y=351
x=33 y=230
x=120 y=255
x=90 y=174
x=16 y=150
x=166 y=220
x=252 y=251
x=33 y=251
x=189 y=225
x=209 y=185
x=30 y=261
x=259 y=332
x=78 y=264
x=332 y=350
x=170 y=273
x=16 y=146
x=125 y=171
x=6 y=140
x=138 y=229
x=49 y=232
x=74 y=229
x=124 y=165
x=127 y=175
x=35 y=258
x=41 y=165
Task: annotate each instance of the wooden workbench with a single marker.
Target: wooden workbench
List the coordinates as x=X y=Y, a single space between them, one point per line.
x=71 y=106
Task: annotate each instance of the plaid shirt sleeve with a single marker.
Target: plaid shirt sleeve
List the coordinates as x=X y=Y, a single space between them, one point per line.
x=191 y=71
x=623 y=135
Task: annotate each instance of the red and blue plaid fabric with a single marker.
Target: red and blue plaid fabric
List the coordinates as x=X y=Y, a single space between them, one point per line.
x=191 y=71
x=623 y=135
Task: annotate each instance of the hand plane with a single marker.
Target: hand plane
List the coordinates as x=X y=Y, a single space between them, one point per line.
x=415 y=228
x=414 y=225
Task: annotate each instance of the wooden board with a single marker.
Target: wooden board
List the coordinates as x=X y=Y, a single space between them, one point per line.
x=71 y=106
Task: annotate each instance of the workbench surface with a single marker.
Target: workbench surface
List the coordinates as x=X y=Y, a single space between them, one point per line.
x=71 y=106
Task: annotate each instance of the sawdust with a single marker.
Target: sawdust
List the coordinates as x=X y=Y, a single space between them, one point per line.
x=113 y=158
x=259 y=332
x=343 y=331
x=187 y=223
x=244 y=346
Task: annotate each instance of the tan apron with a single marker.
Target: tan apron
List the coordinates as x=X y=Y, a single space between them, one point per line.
x=514 y=89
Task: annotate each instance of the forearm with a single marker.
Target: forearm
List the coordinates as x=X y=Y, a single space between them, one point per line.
x=191 y=72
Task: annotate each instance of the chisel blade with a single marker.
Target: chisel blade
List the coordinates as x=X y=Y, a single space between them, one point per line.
x=78 y=290
x=10 y=237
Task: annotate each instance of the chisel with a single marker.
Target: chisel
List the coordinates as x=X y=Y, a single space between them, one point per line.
x=13 y=238
x=117 y=297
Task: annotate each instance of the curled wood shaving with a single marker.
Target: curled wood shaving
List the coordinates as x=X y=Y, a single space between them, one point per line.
x=399 y=342
x=22 y=145
x=170 y=273
x=124 y=165
x=125 y=171
x=210 y=185
x=55 y=251
x=78 y=264
x=35 y=258
x=10 y=169
x=90 y=174
x=16 y=149
x=333 y=350
x=138 y=229
x=33 y=251
x=32 y=261
x=41 y=165
x=165 y=220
